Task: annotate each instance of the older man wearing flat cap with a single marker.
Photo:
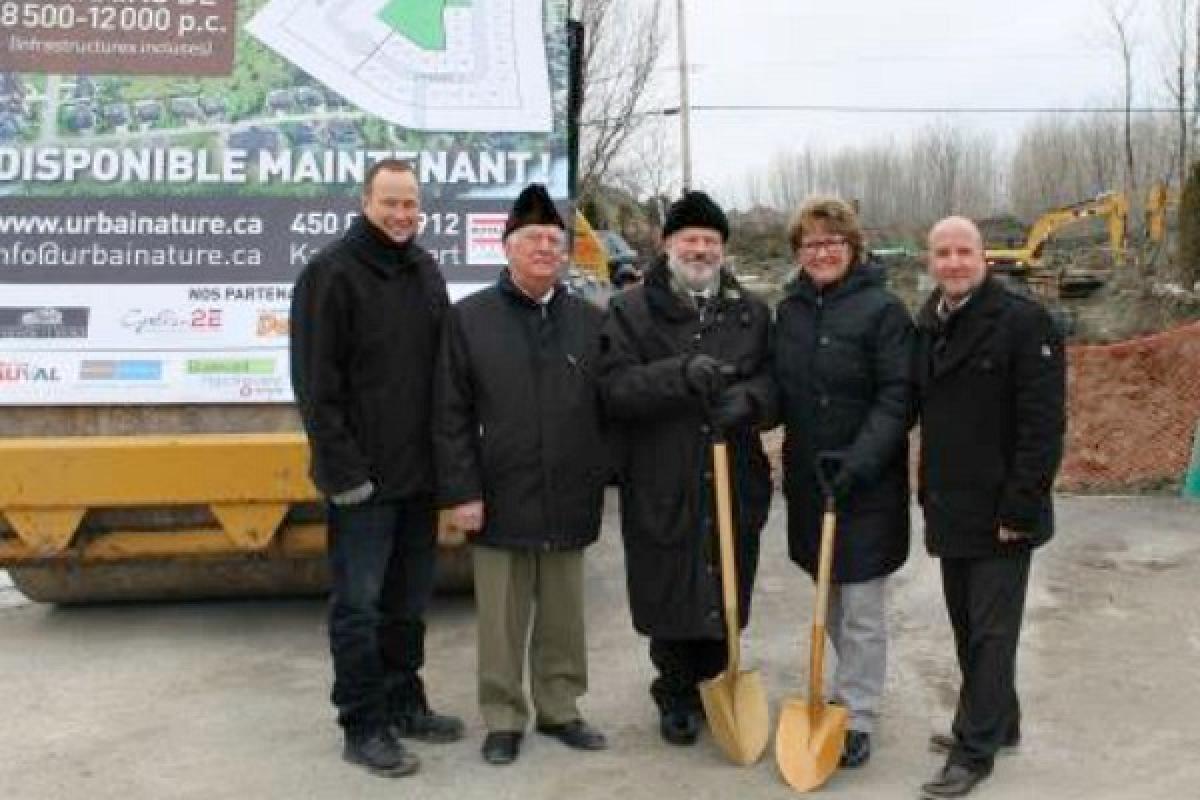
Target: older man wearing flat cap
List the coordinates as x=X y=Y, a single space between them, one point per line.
x=522 y=464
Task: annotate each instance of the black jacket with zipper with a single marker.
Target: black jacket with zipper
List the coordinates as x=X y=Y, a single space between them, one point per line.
x=366 y=316
x=516 y=420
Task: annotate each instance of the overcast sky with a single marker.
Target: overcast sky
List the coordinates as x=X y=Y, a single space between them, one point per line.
x=1021 y=53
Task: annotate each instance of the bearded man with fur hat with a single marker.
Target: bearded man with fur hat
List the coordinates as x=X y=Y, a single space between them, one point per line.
x=683 y=361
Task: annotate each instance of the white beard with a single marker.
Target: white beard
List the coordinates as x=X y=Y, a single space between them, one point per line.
x=696 y=276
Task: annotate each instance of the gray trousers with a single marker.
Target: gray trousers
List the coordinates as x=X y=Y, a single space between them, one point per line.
x=857 y=628
x=511 y=587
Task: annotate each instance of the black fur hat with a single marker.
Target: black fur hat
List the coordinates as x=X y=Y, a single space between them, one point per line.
x=533 y=206
x=695 y=210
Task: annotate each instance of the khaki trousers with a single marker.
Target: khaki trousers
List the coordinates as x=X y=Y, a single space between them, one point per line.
x=511 y=587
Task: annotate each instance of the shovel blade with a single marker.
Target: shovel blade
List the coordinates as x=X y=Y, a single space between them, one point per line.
x=736 y=708
x=808 y=742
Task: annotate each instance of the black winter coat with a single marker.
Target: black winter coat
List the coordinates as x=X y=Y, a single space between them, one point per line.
x=365 y=320
x=843 y=364
x=517 y=420
x=667 y=506
x=991 y=391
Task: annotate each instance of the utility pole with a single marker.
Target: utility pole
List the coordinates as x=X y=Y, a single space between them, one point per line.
x=685 y=112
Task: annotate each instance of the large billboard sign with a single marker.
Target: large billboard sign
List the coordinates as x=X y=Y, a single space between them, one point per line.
x=167 y=167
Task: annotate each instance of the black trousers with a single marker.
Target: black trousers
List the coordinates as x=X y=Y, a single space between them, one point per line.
x=986 y=599
x=381 y=559
x=681 y=664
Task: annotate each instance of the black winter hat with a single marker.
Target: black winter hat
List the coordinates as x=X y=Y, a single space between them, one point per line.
x=695 y=210
x=533 y=206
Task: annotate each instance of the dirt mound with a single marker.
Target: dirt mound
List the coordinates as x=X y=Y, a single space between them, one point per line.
x=1132 y=410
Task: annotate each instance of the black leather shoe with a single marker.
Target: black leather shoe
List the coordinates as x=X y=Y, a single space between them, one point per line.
x=501 y=747
x=679 y=726
x=428 y=726
x=954 y=780
x=380 y=754
x=857 y=749
x=944 y=742
x=577 y=734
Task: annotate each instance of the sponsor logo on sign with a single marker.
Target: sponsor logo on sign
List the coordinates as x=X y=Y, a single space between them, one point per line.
x=44 y=323
x=271 y=324
x=485 y=246
x=169 y=320
x=25 y=372
x=247 y=387
x=120 y=370
x=231 y=366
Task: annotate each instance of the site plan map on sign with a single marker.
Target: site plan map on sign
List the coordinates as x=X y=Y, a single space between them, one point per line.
x=441 y=65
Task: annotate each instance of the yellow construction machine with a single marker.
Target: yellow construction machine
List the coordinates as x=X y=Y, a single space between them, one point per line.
x=1159 y=202
x=181 y=514
x=1113 y=206
x=147 y=446
x=1029 y=262
x=588 y=254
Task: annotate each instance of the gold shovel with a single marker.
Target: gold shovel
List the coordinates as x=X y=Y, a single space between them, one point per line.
x=811 y=732
x=735 y=701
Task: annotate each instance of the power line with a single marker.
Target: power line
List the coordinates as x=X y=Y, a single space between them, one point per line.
x=837 y=109
x=672 y=111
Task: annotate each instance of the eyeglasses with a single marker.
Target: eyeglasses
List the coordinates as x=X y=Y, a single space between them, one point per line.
x=817 y=245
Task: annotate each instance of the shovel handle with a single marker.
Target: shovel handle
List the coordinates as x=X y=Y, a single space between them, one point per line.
x=816 y=667
x=729 y=583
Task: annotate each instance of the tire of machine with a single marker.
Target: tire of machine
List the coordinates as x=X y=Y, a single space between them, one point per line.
x=75 y=584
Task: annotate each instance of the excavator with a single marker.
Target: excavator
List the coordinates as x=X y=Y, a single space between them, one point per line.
x=1113 y=206
x=1159 y=202
x=1029 y=262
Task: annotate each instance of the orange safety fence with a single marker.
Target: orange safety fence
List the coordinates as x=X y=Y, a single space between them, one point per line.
x=1132 y=409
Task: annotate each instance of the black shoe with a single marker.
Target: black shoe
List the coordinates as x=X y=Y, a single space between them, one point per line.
x=408 y=706
x=427 y=726
x=577 y=734
x=501 y=747
x=944 y=742
x=857 y=749
x=380 y=753
x=954 y=780
x=679 y=726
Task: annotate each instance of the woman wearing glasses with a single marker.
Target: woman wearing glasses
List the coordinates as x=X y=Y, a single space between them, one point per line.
x=841 y=360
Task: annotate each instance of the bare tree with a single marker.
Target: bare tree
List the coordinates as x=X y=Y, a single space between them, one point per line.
x=622 y=44
x=1118 y=15
x=1180 y=75
x=648 y=169
x=943 y=169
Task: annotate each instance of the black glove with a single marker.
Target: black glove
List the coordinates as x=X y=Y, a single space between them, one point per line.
x=842 y=485
x=733 y=409
x=833 y=475
x=704 y=376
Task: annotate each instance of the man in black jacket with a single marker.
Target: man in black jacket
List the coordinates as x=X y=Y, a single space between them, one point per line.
x=684 y=358
x=366 y=313
x=522 y=464
x=991 y=383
